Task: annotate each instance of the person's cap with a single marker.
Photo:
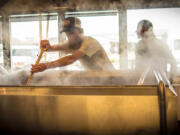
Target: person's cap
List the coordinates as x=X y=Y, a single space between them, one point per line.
x=70 y=23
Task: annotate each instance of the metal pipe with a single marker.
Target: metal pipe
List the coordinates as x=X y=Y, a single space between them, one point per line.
x=169 y=84
x=162 y=108
x=162 y=103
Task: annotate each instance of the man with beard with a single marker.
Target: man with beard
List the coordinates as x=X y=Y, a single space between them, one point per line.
x=79 y=47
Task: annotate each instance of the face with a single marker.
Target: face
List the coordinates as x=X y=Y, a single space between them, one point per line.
x=73 y=37
x=70 y=35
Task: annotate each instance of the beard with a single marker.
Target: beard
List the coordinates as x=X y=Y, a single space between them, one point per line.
x=75 y=43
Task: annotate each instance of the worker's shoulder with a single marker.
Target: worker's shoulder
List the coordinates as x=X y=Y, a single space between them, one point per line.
x=90 y=40
x=160 y=43
x=153 y=41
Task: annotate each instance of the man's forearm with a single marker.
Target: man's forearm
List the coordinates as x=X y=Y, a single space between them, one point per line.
x=61 y=62
x=64 y=61
x=54 y=48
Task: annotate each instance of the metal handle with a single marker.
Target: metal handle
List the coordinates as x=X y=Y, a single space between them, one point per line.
x=162 y=108
x=42 y=50
x=162 y=103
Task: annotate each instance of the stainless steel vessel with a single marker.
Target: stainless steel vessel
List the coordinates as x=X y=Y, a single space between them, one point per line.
x=126 y=110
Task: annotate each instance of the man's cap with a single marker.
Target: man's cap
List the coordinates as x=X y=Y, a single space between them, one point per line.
x=70 y=23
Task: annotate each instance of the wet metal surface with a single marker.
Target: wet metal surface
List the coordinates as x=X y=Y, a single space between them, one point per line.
x=127 y=110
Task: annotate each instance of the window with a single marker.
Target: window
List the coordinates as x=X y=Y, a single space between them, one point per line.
x=166 y=27
x=1 y=46
x=104 y=27
x=25 y=38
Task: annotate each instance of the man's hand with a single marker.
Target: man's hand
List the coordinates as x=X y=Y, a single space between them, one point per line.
x=39 y=67
x=45 y=45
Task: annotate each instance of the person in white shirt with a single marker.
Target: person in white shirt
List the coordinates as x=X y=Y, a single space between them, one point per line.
x=151 y=51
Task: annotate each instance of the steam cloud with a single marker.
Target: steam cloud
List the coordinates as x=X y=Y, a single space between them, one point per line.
x=68 y=78
x=52 y=77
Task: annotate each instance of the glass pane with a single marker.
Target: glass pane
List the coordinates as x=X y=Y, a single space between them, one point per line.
x=25 y=40
x=105 y=29
x=1 y=47
x=165 y=22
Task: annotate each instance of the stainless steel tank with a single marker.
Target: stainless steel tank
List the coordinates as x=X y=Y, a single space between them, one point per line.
x=126 y=110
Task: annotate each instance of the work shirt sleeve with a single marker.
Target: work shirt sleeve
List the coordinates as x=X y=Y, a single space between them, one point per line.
x=89 y=47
